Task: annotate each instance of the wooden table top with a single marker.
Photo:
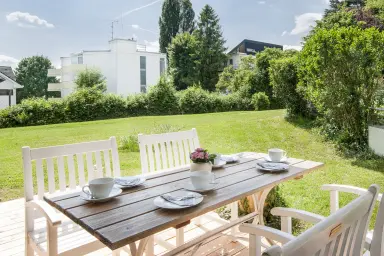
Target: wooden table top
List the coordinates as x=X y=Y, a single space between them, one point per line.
x=132 y=215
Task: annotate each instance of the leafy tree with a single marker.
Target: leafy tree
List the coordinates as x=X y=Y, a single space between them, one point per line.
x=182 y=60
x=169 y=23
x=340 y=72
x=211 y=49
x=91 y=78
x=226 y=79
x=187 y=17
x=32 y=73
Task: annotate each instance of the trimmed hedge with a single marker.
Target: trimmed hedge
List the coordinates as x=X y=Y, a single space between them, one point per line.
x=91 y=104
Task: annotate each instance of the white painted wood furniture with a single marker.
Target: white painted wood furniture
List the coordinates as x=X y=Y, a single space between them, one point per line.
x=69 y=167
x=342 y=233
x=374 y=243
x=165 y=152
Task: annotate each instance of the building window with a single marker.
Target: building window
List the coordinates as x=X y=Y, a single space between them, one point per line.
x=162 y=65
x=143 y=74
x=231 y=62
x=80 y=59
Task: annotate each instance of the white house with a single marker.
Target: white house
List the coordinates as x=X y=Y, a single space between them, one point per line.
x=8 y=86
x=128 y=67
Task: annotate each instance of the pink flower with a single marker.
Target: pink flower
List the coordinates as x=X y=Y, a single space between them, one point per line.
x=199 y=149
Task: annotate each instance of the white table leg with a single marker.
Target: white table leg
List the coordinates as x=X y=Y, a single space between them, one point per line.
x=234 y=216
x=179 y=236
x=139 y=250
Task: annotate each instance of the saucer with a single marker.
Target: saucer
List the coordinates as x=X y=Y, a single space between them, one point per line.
x=161 y=203
x=114 y=192
x=221 y=164
x=282 y=160
x=211 y=187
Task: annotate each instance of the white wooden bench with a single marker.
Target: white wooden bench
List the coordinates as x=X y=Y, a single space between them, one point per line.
x=65 y=164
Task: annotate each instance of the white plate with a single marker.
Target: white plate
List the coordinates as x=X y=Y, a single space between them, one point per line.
x=221 y=164
x=282 y=160
x=212 y=186
x=160 y=202
x=142 y=180
x=230 y=158
x=114 y=192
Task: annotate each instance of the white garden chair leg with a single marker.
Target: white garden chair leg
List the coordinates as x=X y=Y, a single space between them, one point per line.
x=234 y=216
x=179 y=236
x=334 y=201
x=254 y=245
x=286 y=224
x=29 y=227
x=51 y=240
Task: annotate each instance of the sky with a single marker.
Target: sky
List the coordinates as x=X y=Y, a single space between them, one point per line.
x=59 y=28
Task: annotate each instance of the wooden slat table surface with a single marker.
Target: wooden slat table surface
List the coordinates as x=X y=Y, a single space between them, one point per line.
x=132 y=215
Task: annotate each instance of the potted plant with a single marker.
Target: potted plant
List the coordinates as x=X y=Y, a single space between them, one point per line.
x=201 y=160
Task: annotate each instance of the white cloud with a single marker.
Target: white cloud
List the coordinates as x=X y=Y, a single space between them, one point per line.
x=137 y=9
x=261 y=2
x=294 y=47
x=152 y=46
x=26 y=20
x=284 y=33
x=304 y=22
x=8 y=61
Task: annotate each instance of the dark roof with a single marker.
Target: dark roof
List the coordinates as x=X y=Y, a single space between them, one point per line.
x=8 y=72
x=256 y=43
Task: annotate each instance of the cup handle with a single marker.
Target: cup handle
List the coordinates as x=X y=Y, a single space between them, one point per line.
x=87 y=192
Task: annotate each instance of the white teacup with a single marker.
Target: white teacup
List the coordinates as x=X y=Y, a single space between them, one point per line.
x=217 y=159
x=202 y=179
x=276 y=154
x=99 y=188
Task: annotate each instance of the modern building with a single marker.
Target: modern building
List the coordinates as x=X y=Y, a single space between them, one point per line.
x=8 y=86
x=128 y=67
x=245 y=48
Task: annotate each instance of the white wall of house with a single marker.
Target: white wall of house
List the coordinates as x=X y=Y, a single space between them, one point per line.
x=4 y=100
x=8 y=84
x=236 y=59
x=120 y=65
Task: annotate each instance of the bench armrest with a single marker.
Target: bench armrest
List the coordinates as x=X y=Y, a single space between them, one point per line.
x=267 y=232
x=47 y=210
x=347 y=189
x=297 y=214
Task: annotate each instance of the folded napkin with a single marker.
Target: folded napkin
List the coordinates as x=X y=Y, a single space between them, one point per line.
x=127 y=181
x=268 y=166
x=230 y=158
x=188 y=200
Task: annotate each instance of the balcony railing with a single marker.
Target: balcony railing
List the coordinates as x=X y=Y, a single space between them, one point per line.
x=59 y=86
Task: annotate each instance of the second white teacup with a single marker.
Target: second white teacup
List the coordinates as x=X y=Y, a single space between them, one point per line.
x=99 y=188
x=276 y=154
x=202 y=179
x=217 y=159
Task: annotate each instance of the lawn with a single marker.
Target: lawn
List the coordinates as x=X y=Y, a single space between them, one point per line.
x=219 y=132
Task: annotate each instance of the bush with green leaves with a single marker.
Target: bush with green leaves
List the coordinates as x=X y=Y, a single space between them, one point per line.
x=340 y=72
x=195 y=100
x=260 y=101
x=284 y=80
x=91 y=78
x=162 y=98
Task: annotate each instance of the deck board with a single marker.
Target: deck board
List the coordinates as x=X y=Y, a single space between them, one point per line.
x=12 y=234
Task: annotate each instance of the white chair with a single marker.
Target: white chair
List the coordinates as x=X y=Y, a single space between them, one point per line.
x=374 y=243
x=167 y=152
x=342 y=233
x=59 y=236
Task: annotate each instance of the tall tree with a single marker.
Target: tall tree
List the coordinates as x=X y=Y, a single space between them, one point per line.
x=91 y=78
x=187 y=17
x=32 y=72
x=169 y=23
x=211 y=50
x=182 y=60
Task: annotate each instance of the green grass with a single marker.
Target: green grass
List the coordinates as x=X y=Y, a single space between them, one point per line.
x=220 y=132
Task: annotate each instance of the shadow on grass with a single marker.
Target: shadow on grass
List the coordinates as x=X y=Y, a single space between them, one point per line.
x=302 y=122
x=375 y=163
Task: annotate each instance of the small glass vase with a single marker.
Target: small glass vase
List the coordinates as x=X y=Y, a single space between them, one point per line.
x=201 y=167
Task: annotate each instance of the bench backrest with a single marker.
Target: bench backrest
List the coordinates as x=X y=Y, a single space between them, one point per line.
x=342 y=233
x=167 y=151
x=71 y=165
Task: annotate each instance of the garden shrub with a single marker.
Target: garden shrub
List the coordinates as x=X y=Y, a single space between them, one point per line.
x=195 y=100
x=162 y=99
x=137 y=105
x=84 y=105
x=260 y=101
x=340 y=72
x=284 y=80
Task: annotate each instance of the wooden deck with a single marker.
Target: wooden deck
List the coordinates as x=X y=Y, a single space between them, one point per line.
x=12 y=234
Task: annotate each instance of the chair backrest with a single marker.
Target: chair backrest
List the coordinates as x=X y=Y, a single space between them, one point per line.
x=342 y=233
x=377 y=244
x=55 y=163
x=168 y=150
